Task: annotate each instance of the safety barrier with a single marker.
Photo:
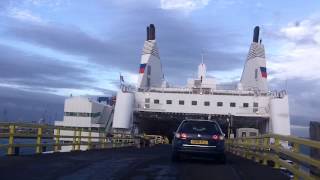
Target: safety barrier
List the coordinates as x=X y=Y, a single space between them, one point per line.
x=41 y=137
x=280 y=152
x=157 y=139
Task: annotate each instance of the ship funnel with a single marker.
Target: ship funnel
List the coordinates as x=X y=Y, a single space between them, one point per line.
x=150 y=70
x=254 y=75
x=152 y=32
x=256 y=34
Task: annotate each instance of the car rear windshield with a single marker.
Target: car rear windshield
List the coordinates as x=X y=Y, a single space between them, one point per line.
x=203 y=127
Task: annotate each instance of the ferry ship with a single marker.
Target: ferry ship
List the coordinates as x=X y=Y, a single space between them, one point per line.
x=155 y=107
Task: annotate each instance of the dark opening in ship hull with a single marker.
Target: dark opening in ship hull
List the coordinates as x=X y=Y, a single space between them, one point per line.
x=165 y=124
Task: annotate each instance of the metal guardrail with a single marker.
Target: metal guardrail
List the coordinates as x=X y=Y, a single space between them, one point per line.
x=89 y=137
x=279 y=151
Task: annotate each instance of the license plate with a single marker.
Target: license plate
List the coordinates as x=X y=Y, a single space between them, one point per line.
x=199 y=142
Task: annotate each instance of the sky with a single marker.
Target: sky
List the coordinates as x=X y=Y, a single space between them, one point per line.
x=50 y=49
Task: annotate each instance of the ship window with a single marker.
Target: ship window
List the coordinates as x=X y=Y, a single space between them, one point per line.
x=181 y=102
x=246 y=105
x=255 y=107
x=219 y=103
x=169 y=101
x=156 y=101
x=147 y=100
x=243 y=134
x=82 y=114
x=206 y=103
x=95 y=114
x=194 y=103
x=147 y=106
x=252 y=134
x=233 y=104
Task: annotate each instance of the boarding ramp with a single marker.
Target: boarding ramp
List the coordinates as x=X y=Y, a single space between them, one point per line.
x=261 y=157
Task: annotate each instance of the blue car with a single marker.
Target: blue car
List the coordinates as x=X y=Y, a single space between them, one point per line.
x=202 y=138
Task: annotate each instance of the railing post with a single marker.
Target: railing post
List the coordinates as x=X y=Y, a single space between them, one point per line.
x=246 y=147
x=257 y=159
x=79 y=139
x=277 y=145
x=251 y=144
x=264 y=148
x=74 y=140
x=57 y=145
x=89 y=139
x=39 y=143
x=113 y=142
x=104 y=142
x=296 y=149
x=11 y=139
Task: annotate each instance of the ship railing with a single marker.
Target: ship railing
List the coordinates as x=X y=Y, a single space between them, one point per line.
x=240 y=111
x=278 y=94
x=203 y=91
x=39 y=138
x=284 y=152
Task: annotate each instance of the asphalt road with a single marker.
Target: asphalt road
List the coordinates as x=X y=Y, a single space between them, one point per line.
x=130 y=163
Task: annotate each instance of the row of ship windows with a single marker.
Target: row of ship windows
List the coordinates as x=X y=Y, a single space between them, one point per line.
x=205 y=103
x=82 y=114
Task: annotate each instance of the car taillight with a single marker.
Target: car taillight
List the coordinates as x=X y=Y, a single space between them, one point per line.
x=215 y=137
x=181 y=135
x=218 y=137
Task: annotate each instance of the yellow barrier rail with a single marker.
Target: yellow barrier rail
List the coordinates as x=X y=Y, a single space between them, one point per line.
x=42 y=137
x=279 y=151
x=158 y=139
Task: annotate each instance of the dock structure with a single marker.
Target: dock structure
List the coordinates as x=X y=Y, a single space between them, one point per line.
x=121 y=156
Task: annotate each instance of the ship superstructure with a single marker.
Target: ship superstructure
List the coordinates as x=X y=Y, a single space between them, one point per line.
x=158 y=108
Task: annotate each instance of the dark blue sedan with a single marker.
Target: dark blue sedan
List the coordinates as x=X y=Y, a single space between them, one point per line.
x=203 y=138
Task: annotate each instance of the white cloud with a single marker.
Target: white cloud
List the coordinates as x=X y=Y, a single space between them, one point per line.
x=24 y=15
x=185 y=5
x=299 y=56
x=51 y=3
x=308 y=29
